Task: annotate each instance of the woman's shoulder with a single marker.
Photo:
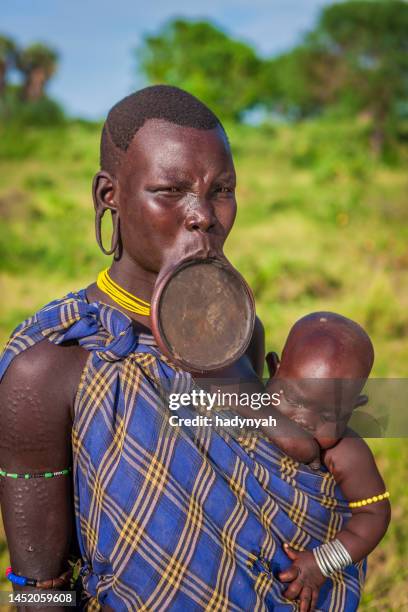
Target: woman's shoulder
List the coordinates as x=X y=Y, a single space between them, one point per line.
x=44 y=361
x=28 y=351
x=40 y=372
x=37 y=395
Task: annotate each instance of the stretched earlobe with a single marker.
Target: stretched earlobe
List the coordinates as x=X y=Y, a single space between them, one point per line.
x=114 y=248
x=104 y=189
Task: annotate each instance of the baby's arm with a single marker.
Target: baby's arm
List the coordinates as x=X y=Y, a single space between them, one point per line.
x=353 y=466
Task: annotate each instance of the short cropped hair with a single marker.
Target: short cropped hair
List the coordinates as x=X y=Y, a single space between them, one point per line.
x=156 y=102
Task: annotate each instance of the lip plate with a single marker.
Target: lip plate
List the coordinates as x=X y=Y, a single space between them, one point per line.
x=185 y=307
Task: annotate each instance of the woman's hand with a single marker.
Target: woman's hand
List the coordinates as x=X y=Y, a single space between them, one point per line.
x=305 y=578
x=294 y=441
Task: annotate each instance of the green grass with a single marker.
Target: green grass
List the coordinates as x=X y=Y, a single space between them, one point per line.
x=321 y=225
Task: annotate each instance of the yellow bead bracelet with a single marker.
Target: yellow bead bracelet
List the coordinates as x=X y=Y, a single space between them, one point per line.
x=369 y=500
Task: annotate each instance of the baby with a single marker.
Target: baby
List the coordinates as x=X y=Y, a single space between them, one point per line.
x=325 y=363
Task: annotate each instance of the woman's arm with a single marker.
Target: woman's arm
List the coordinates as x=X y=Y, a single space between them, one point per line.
x=35 y=436
x=288 y=436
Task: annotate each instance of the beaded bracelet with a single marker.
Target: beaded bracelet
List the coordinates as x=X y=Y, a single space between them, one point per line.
x=369 y=500
x=52 y=583
x=39 y=475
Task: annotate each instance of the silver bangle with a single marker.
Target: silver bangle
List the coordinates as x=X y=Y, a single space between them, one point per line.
x=320 y=562
x=335 y=559
x=332 y=557
x=336 y=554
x=343 y=552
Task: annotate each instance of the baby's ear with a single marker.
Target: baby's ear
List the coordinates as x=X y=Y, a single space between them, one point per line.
x=272 y=361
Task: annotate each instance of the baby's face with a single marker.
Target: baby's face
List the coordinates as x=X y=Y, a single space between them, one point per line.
x=321 y=406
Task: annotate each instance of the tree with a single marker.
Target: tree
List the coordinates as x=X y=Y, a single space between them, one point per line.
x=38 y=63
x=204 y=60
x=369 y=42
x=355 y=59
x=286 y=85
x=7 y=59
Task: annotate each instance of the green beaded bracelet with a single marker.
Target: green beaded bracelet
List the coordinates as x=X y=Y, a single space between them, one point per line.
x=40 y=475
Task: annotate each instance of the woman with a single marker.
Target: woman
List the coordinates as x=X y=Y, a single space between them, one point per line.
x=164 y=519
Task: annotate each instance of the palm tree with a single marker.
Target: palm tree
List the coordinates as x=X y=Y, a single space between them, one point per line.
x=38 y=63
x=7 y=59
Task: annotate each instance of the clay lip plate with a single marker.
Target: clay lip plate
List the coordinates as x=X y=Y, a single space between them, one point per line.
x=203 y=314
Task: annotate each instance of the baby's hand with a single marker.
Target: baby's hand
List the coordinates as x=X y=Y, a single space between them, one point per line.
x=305 y=578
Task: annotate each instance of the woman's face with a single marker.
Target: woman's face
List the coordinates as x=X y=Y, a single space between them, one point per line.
x=175 y=194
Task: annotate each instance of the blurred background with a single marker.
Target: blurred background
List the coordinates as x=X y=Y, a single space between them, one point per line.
x=313 y=95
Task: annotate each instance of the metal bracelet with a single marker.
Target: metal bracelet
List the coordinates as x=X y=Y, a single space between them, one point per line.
x=332 y=557
x=320 y=562
x=343 y=552
x=336 y=554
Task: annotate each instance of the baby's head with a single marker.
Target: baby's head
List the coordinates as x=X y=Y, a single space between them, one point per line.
x=325 y=363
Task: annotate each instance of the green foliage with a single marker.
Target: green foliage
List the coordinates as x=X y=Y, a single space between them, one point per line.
x=37 y=56
x=17 y=114
x=7 y=59
x=37 y=63
x=287 y=84
x=371 y=42
x=7 y=50
x=355 y=59
x=201 y=58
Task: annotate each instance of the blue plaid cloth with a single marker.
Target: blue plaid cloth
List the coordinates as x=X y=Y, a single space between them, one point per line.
x=178 y=518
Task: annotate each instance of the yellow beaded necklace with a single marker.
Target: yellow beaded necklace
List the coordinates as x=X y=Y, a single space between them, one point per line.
x=121 y=296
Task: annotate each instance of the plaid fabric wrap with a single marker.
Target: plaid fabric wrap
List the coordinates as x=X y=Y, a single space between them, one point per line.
x=178 y=518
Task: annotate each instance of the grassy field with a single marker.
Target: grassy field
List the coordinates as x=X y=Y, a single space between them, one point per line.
x=321 y=225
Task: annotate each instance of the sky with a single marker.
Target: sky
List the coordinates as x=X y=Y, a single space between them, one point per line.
x=96 y=38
